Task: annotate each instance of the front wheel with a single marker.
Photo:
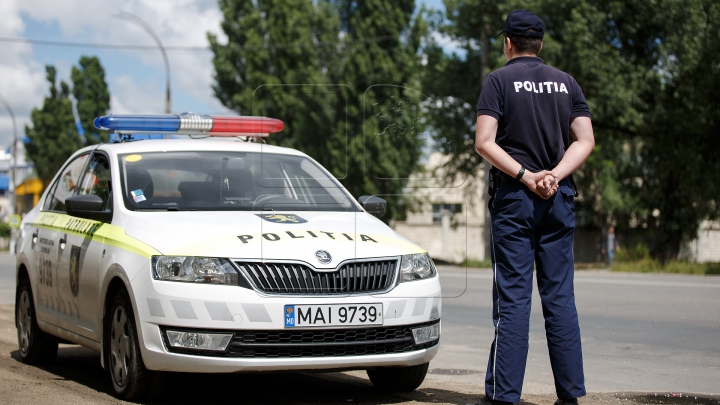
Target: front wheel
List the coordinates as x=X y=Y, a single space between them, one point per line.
x=398 y=379
x=36 y=346
x=130 y=379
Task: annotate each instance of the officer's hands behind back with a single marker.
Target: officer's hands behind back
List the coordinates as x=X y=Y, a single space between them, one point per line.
x=543 y=183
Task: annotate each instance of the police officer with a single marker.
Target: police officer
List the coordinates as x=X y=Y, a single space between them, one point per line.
x=526 y=114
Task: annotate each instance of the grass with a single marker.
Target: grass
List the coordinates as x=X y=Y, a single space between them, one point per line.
x=485 y=264
x=645 y=265
x=673 y=267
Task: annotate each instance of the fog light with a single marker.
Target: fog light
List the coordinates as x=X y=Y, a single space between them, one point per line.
x=198 y=340
x=426 y=333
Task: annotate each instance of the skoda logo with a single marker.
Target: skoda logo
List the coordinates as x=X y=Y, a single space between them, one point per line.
x=323 y=256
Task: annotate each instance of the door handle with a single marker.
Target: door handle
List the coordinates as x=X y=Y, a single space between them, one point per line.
x=35 y=236
x=62 y=242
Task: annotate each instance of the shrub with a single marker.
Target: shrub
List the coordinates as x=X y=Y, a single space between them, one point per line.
x=675 y=267
x=633 y=254
x=4 y=229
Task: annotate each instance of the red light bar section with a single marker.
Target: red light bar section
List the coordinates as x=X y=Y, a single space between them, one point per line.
x=246 y=125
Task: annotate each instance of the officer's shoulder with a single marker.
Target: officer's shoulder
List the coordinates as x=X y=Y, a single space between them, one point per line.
x=557 y=71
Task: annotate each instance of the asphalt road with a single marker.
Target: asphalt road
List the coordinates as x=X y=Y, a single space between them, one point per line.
x=641 y=333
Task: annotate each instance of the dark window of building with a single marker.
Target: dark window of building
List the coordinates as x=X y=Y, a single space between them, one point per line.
x=437 y=210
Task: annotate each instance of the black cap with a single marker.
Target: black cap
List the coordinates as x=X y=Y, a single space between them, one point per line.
x=519 y=22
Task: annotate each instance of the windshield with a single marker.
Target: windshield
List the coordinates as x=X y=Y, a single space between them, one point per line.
x=241 y=181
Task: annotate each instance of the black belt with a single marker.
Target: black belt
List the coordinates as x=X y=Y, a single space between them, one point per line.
x=504 y=180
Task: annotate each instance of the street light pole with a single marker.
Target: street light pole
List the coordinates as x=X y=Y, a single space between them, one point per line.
x=145 y=26
x=13 y=177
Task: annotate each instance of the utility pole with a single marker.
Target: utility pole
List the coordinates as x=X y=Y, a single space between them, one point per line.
x=145 y=26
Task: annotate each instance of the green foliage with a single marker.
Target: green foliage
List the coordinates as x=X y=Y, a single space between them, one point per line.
x=340 y=75
x=92 y=97
x=672 y=267
x=649 y=71
x=453 y=82
x=4 y=229
x=484 y=264
x=632 y=254
x=54 y=136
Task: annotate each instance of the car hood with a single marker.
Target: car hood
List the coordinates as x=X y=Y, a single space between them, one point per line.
x=269 y=236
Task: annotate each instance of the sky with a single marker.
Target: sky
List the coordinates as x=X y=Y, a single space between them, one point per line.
x=136 y=78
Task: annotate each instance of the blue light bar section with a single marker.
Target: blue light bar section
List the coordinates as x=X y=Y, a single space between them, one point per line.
x=119 y=123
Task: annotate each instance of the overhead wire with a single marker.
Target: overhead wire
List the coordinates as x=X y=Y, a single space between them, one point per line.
x=185 y=48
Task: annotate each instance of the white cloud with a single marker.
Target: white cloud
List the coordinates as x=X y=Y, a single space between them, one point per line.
x=176 y=22
x=133 y=97
x=23 y=80
x=448 y=44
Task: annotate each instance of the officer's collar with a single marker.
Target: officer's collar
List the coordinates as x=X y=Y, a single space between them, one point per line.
x=524 y=59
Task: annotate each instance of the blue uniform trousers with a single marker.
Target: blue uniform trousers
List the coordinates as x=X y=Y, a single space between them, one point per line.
x=527 y=229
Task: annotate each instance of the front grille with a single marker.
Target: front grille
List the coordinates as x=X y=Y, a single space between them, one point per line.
x=296 y=278
x=318 y=343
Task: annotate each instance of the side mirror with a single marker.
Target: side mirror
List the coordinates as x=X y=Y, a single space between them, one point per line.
x=375 y=206
x=87 y=206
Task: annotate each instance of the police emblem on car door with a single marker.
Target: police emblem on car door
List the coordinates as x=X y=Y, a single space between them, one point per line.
x=75 y=270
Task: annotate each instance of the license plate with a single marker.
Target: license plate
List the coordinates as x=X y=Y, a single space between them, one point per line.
x=333 y=315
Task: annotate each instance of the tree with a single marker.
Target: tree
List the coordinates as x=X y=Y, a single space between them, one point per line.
x=54 y=136
x=92 y=97
x=648 y=71
x=314 y=65
x=454 y=81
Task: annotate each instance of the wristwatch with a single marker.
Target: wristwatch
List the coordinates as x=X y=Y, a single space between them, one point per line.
x=520 y=173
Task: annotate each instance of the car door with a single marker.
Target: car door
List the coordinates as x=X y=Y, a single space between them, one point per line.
x=45 y=243
x=78 y=271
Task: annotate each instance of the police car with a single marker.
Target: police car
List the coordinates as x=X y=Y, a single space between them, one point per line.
x=220 y=254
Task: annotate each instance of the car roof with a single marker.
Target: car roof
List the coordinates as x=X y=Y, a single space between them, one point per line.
x=188 y=144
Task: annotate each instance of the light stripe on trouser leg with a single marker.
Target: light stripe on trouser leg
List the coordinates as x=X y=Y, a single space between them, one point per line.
x=497 y=302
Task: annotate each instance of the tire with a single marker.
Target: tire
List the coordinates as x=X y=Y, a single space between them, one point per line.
x=130 y=379
x=398 y=379
x=36 y=346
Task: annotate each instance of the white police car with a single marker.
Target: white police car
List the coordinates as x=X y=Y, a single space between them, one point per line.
x=219 y=255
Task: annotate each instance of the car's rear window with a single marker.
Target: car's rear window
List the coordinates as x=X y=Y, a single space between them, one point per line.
x=208 y=181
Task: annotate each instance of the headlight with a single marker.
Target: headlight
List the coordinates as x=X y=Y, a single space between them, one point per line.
x=416 y=267
x=205 y=270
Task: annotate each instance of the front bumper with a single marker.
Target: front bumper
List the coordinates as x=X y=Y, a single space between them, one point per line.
x=198 y=364
x=164 y=305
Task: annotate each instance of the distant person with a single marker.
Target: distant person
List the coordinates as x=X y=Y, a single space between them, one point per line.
x=610 y=245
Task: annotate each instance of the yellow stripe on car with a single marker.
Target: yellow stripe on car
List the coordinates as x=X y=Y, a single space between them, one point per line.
x=101 y=232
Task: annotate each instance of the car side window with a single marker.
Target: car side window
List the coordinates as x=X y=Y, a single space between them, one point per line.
x=96 y=180
x=66 y=184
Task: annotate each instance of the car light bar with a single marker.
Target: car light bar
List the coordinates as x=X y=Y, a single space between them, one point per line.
x=188 y=123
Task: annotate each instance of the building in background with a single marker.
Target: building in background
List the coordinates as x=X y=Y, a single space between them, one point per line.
x=706 y=247
x=449 y=220
x=28 y=186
